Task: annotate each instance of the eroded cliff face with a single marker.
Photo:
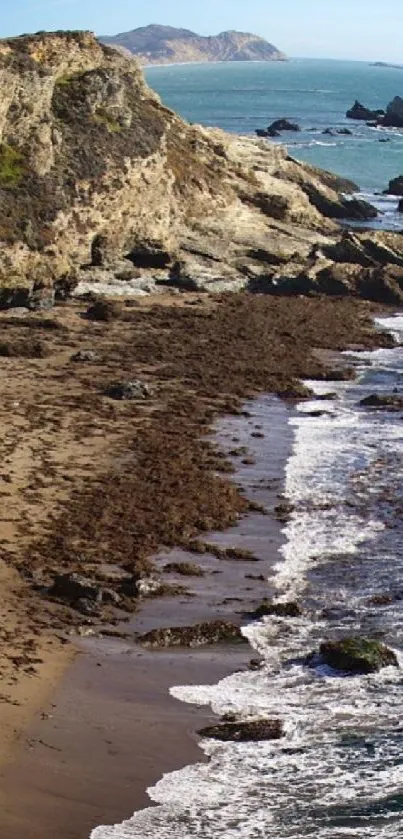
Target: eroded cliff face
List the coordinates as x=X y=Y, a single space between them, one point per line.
x=99 y=180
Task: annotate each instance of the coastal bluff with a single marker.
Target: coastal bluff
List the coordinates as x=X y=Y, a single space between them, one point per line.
x=167 y=45
x=101 y=183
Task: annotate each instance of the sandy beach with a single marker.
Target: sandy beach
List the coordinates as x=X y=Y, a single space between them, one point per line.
x=86 y=745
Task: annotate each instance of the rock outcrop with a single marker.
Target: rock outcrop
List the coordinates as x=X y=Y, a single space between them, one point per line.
x=102 y=187
x=357 y=655
x=360 y=112
x=395 y=186
x=167 y=45
x=394 y=113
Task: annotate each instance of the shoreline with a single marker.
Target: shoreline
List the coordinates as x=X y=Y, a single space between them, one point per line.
x=97 y=733
x=220 y=387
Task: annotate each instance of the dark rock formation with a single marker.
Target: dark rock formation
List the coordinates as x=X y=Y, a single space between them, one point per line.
x=394 y=113
x=357 y=655
x=106 y=310
x=395 y=186
x=360 y=112
x=383 y=402
x=167 y=45
x=202 y=634
x=400 y=206
x=243 y=732
x=280 y=610
x=282 y=125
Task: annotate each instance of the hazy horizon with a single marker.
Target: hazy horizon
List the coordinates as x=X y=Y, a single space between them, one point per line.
x=364 y=30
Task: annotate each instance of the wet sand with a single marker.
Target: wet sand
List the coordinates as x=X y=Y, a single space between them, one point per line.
x=111 y=728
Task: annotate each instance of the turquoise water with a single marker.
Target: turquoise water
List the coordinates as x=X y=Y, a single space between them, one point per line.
x=240 y=97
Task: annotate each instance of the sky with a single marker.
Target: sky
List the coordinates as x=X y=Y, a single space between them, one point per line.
x=368 y=30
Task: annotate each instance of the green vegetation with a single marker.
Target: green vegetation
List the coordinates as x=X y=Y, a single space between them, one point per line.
x=11 y=166
x=103 y=118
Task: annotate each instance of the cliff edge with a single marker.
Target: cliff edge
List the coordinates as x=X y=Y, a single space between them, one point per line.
x=98 y=181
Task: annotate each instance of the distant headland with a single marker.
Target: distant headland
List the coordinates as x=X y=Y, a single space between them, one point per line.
x=166 y=45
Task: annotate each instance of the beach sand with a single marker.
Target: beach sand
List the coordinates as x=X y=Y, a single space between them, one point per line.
x=87 y=480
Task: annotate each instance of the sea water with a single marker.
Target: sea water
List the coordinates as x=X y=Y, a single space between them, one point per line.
x=242 y=96
x=338 y=771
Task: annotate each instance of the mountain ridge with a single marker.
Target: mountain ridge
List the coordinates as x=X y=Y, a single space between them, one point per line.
x=158 y=44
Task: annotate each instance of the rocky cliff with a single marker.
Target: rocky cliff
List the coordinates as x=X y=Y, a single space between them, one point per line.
x=99 y=182
x=167 y=45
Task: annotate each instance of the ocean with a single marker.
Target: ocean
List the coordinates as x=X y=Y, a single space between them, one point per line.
x=240 y=97
x=338 y=771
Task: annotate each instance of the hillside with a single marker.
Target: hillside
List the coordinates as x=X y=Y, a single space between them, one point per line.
x=167 y=45
x=99 y=182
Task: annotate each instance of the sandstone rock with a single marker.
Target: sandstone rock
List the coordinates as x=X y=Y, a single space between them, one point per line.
x=215 y=632
x=128 y=390
x=161 y=201
x=360 y=112
x=357 y=655
x=244 y=731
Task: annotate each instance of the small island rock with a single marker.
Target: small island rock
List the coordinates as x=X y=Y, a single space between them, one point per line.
x=360 y=112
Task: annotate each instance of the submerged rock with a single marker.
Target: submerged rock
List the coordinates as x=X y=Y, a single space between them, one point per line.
x=243 y=732
x=385 y=402
x=201 y=634
x=281 y=610
x=357 y=655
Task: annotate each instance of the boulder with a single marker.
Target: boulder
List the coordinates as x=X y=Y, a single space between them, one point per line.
x=400 y=206
x=244 y=732
x=261 y=132
x=128 y=390
x=360 y=112
x=85 y=355
x=394 y=113
x=344 y=132
x=73 y=587
x=201 y=634
x=383 y=402
x=283 y=125
x=329 y=131
x=281 y=610
x=357 y=655
x=395 y=186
